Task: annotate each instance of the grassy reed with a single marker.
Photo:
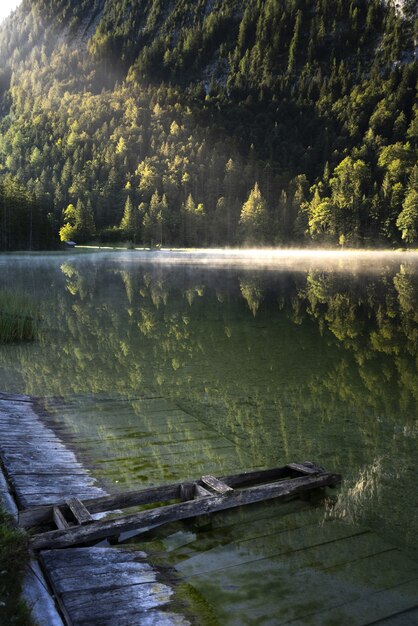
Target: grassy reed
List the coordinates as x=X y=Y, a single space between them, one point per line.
x=18 y=317
x=14 y=558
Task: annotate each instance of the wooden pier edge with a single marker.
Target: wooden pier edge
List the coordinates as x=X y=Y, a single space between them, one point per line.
x=35 y=590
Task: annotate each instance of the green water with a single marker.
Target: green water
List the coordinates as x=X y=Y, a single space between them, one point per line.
x=159 y=372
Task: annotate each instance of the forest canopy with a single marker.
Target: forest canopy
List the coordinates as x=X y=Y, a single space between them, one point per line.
x=261 y=122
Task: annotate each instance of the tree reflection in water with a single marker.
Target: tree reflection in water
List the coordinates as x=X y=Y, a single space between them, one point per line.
x=286 y=365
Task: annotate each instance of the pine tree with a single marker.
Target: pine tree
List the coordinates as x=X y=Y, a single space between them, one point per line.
x=84 y=221
x=193 y=222
x=254 y=219
x=129 y=221
x=407 y=221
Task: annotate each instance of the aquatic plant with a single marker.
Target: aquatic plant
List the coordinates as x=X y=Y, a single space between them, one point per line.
x=18 y=317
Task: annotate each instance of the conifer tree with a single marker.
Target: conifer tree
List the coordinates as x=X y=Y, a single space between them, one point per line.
x=407 y=221
x=253 y=223
x=84 y=221
x=193 y=222
x=129 y=221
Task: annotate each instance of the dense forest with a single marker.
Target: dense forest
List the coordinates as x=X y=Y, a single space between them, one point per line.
x=212 y=122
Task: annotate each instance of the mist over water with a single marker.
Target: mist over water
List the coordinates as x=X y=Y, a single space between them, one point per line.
x=296 y=259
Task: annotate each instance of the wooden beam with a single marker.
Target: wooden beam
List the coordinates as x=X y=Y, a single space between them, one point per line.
x=13 y=397
x=305 y=468
x=40 y=515
x=79 y=511
x=216 y=485
x=186 y=492
x=59 y=519
x=165 y=514
x=201 y=492
x=258 y=476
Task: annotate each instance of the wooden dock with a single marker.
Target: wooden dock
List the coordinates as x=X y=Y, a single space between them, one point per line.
x=96 y=586
x=269 y=563
x=40 y=468
x=110 y=587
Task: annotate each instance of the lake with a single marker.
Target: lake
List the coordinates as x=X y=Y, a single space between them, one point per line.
x=157 y=369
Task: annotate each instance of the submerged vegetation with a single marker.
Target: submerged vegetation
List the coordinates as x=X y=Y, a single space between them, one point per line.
x=13 y=561
x=18 y=317
x=209 y=123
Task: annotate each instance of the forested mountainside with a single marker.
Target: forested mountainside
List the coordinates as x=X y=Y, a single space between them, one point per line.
x=209 y=122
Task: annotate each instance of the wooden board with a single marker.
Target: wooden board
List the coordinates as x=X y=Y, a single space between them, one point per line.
x=326 y=575
x=165 y=434
x=109 y=586
x=216 y=485
x=79 y=511
x=93 y=586
x=39 y=467
x=300 y=568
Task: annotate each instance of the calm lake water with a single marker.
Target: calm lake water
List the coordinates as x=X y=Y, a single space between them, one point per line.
x=157 y=371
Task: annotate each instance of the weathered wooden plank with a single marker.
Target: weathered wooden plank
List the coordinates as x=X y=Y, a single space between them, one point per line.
x=371 y=608
x=31 y=492
x=258 y=476
x=27 y=430
x=135 y=599
x=151 y=617
x=21 y=464
x=96 y=557
x=374 y=572
x=215 y=484
x=186 y=491
x=107 y=575
x=6 y=499
x=39 y=470
x=15 y=397
x=184 y=510
x=305 y=596
x=50 y=498
x=305 y=468
x=42 y=457
x=68 y=571
x=405 y=617
x=113 y=578
x=79 y=511
x=59 y=518
x=39 y=515
x=295 y=549
x=31 y=483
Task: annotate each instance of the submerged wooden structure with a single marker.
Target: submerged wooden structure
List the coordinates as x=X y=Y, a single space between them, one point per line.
x=95 y=586
x=284 y=562
x=201 y=497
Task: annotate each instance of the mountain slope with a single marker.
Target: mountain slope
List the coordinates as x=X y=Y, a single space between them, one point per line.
x=153 y=121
